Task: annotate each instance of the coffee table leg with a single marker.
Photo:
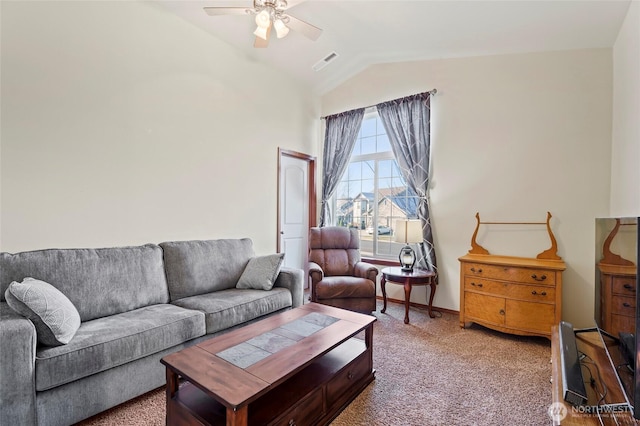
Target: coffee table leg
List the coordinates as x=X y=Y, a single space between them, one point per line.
x=407 y=296
x=433 y=293
x=172 y=383
x=384 y=294
x=171 y=389
x=368 y=341
x=238 y=417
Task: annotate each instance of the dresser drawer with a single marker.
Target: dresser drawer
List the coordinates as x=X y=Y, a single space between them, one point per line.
x=345 y=379
x=532 y=293
x=623 y=306
x=482 y=285
x=511 y=273
x=622 y=323
x=624 y=286
x=485 y=308
x=305 y=412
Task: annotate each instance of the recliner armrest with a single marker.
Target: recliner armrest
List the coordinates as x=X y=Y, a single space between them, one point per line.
x=315 y=272
x=17 y=369
x=365 y=270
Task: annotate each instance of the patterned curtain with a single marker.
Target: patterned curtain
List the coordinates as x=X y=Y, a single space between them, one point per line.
x=340 y=137
x=407 y=122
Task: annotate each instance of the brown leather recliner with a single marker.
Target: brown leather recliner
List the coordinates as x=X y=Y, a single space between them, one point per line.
x=338 y=277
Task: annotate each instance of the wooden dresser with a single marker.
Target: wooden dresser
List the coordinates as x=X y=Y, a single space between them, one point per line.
x=618 y=298
x=517 y=295
x=617 y=289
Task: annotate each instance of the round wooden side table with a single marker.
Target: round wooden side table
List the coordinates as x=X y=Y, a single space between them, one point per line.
x=396 y=275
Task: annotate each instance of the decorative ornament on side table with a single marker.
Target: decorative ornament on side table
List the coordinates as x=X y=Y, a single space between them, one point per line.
x=408 y=231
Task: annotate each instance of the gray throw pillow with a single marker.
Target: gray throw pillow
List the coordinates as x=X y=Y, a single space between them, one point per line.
x=261 y=272
x=54 y=316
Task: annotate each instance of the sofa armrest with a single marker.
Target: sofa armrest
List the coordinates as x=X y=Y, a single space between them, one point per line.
x=292 y=278
x=17 y=368
x=365 y=270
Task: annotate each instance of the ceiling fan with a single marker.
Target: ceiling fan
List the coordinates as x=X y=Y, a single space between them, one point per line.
x=269 y=14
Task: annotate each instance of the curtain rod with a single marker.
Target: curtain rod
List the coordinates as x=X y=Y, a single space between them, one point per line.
x=431 y=92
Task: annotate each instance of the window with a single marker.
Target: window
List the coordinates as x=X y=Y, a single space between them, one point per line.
x=372 y=194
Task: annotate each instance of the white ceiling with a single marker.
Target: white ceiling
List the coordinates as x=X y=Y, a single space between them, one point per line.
x=366 y=32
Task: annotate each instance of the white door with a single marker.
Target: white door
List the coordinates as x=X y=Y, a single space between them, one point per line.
x=294 y=210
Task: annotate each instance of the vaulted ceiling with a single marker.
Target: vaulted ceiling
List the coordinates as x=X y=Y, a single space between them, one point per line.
x=367 y=32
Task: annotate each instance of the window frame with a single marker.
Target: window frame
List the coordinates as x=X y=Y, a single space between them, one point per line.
x=376 y=158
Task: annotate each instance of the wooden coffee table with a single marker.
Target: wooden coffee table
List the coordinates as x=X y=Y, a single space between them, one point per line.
x=303 y=366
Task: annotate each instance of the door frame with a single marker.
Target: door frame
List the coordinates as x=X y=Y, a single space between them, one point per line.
x=311 y=174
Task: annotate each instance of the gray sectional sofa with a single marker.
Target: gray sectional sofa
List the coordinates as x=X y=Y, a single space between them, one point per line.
x=136 y=305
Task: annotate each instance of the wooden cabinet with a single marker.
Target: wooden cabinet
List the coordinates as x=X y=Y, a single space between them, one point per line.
x=517 y=295
x=511 y=294
x=617 y=298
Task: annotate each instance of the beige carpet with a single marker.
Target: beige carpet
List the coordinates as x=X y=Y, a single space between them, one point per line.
x=429 y=372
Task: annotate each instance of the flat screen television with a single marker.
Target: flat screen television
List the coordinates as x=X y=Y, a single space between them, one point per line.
x=617 y=297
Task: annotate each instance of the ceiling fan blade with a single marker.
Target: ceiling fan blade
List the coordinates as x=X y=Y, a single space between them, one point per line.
x=214 y=11
x=262 y=43
x=310 y=31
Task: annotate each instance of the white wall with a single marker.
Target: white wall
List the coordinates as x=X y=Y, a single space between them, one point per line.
x=123 y=124
x=513 y=137
x=625 y=152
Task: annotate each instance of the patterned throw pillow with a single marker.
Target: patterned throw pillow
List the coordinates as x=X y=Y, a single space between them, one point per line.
x=261 y=272
x=54 y=316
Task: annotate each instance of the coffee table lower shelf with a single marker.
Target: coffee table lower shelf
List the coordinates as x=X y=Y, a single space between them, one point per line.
x=313 y=396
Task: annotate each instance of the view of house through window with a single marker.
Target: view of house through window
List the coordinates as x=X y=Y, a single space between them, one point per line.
x=372 y=195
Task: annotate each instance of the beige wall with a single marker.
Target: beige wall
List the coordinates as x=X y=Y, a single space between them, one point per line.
x=123 y=124
x=625 y=164
x=513 y=137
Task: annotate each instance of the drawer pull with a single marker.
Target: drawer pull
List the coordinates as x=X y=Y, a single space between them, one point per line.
x=628 y=287
x=474 y=284
x=501 y=311
x=542 y=278
x=292 y=422
x=544 y=293
x=350 y=375
x=478 y=271
x=626 y=305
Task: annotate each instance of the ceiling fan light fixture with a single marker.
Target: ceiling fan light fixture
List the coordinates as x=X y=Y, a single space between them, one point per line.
x=263 y=19
x=281 y=29
x=268 y=14
x=261 y=32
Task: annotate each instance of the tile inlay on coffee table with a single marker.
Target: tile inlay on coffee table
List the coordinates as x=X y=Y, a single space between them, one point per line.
x=258 y=348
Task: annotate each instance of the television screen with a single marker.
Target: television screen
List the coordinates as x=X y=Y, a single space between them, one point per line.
x=617 y=299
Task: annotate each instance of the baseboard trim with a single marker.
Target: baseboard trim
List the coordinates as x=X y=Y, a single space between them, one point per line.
x=421 y=306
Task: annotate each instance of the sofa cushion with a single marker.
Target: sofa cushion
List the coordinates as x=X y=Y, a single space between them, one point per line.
x=99 y=282
x=199 y=267
x=54 y=316
x=227 y=308
x=107 y=342
x=261 y=272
